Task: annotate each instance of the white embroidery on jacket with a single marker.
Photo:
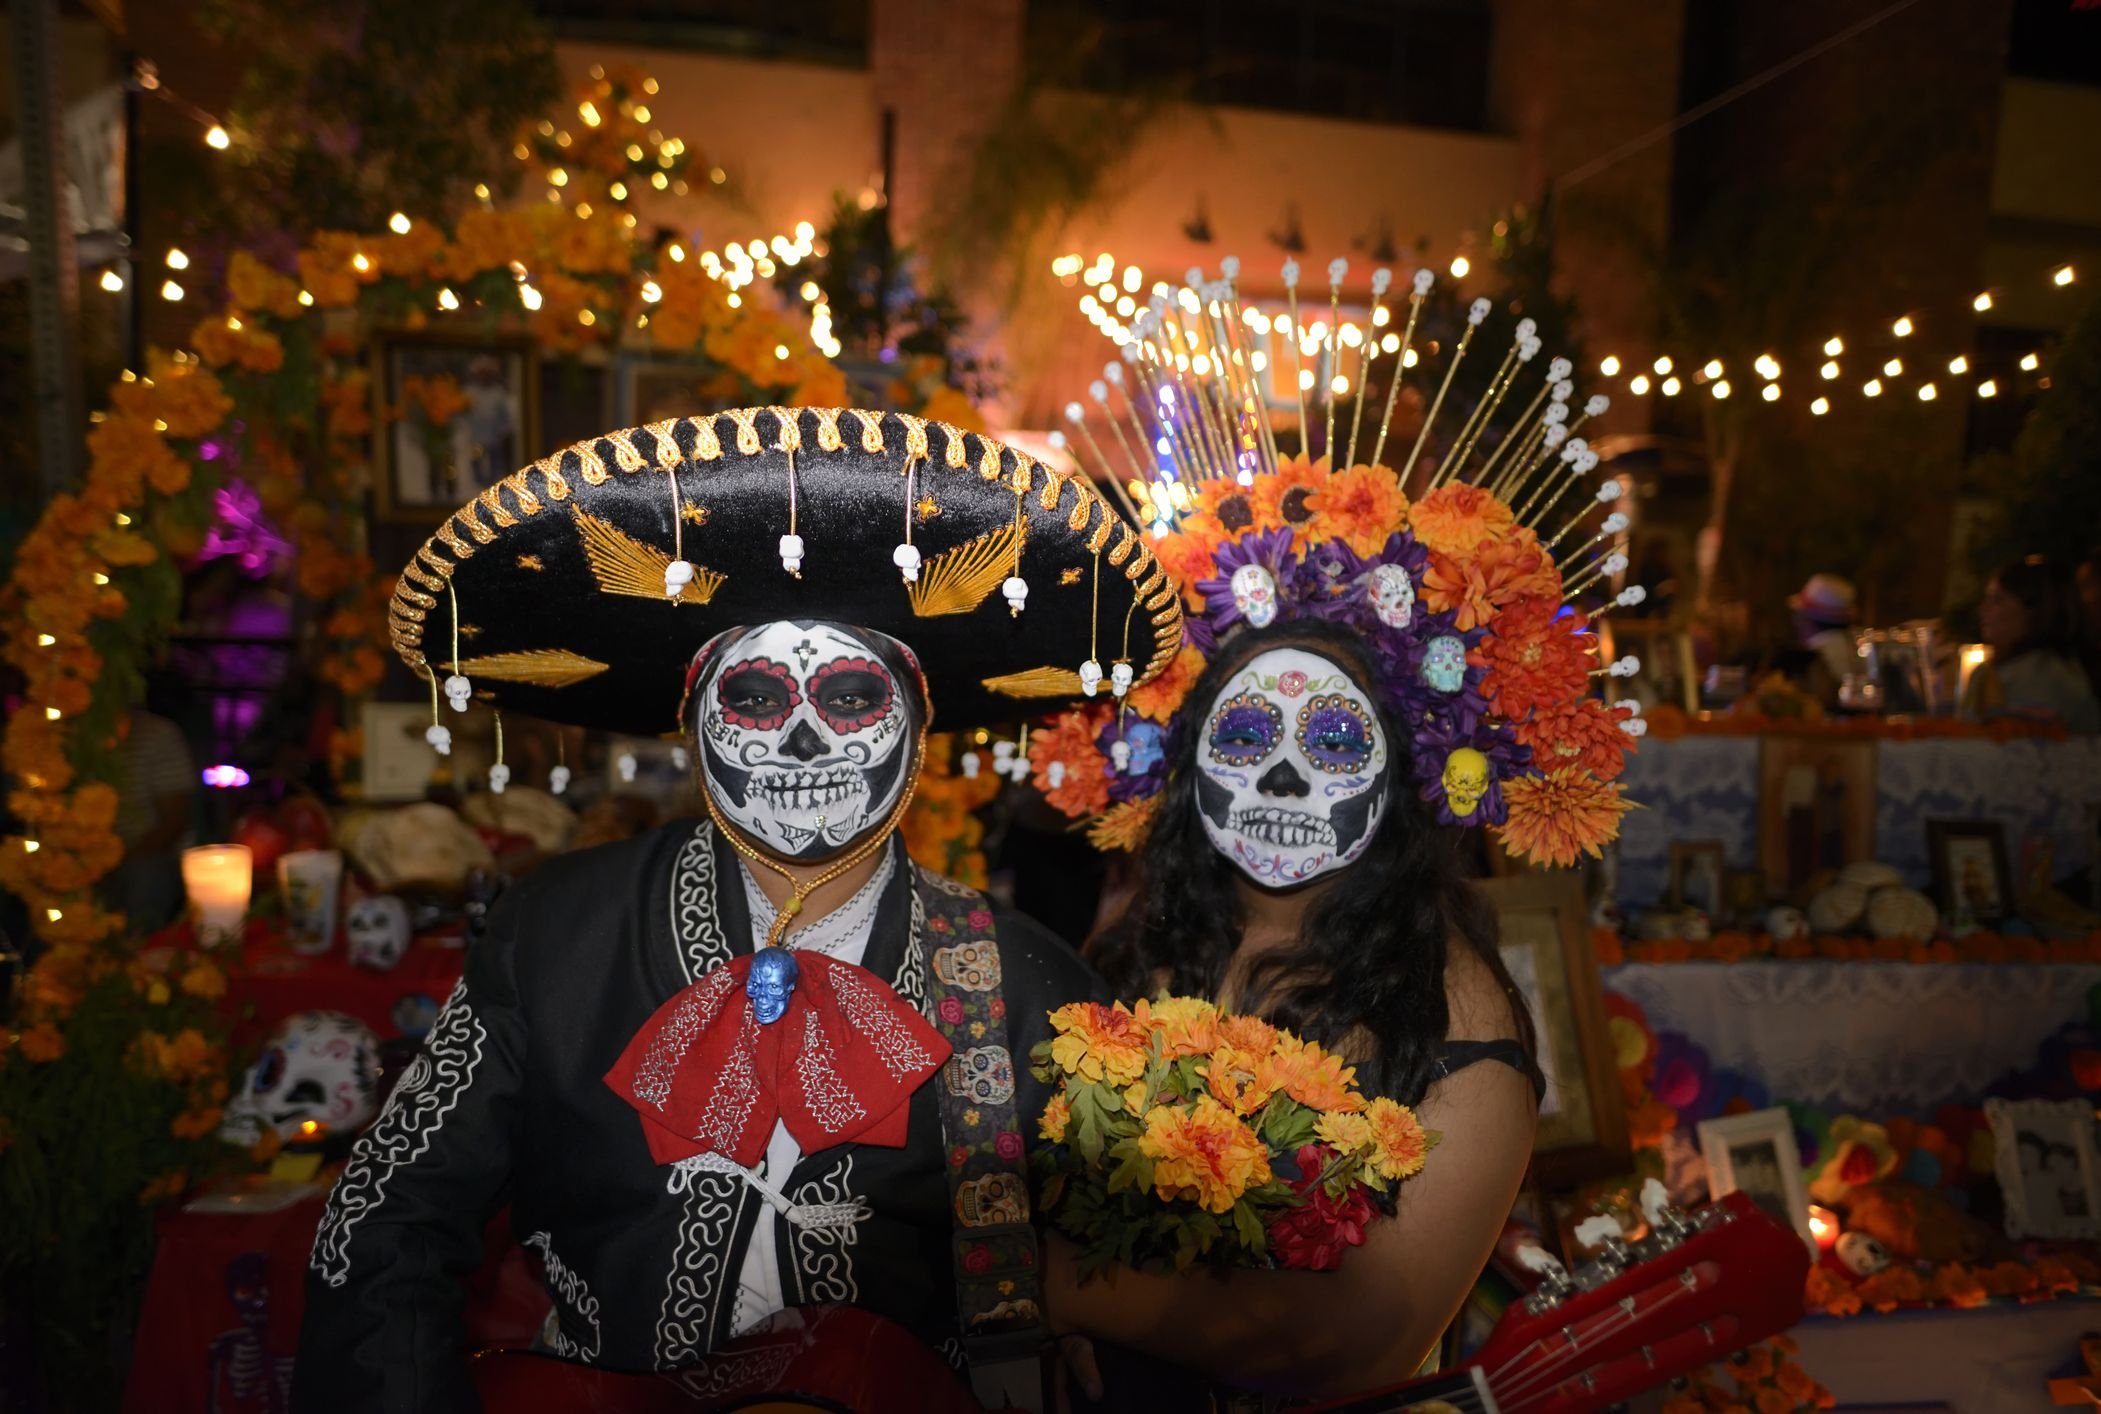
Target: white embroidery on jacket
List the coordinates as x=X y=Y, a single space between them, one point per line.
x=696 y=929
x=571 y=1291
x=823 y=1256
x=429 y=1090
x=699 y=1260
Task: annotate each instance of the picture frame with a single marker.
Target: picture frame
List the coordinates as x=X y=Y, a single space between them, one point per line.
x=1669 y=671
x=1816 y=807
x=1971 y=876
x=398 y=763
x=1699 y=876
x=1545 y=943
x=1756 y=1154
x=421 y=474
x=2045 y=1157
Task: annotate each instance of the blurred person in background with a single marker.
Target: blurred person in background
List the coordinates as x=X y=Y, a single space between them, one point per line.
x=2030 y=617
x=1825 y=610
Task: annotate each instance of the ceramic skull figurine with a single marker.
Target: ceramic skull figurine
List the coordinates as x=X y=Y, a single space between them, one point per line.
x=1255 y=595
x=772 y=979
x=321 y=1066
x=1861 y=1254
x=1090 y=677
x=1444 y=663
x=378 y=928
x=1392 y=596
x=1292 y=770
x=1466 y=780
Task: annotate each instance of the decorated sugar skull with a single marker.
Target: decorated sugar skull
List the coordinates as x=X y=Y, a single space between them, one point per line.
x=1255 y=595
x=321 y=1066
x=1090 y=677
x=1292 y=769
x=770 y=983
x=1444 y=663
x=972 y=966
x=378 y=929
x=985 y=1074
x=1861 y=1254
x=806 y=733
x=1392 y=596
x=991 y=1200
x=1466 y=780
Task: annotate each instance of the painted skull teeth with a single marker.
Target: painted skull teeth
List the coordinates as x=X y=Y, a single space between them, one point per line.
x=1292 y=829
x=809 y=790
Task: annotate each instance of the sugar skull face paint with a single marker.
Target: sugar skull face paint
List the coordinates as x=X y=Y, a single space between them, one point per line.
x=1292 y=770
x=805 y=735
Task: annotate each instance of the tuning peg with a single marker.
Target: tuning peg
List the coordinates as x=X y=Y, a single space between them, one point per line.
x=1604 y=1234
x=1555 y=1284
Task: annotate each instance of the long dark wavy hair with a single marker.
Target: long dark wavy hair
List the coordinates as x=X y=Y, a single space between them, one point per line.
x=1372 y=945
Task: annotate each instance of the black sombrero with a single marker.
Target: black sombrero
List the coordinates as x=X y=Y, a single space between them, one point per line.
x=555 y=579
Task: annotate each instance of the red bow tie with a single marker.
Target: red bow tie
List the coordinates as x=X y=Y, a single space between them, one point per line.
x=839 y=1066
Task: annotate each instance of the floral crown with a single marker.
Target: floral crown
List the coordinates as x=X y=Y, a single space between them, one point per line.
x=1466 y=596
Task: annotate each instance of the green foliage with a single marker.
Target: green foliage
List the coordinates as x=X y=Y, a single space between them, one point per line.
x=78 y=1132
x=2050 y=488
x=362 y=108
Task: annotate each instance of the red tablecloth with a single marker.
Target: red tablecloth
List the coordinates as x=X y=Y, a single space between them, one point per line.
x=220 y=1323
x=271 y=982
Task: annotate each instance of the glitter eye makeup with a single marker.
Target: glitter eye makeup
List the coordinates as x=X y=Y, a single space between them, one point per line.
x=1335 y=735
x=1245 y=729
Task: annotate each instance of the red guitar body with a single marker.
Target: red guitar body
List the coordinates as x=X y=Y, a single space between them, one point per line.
x=1723 y=1278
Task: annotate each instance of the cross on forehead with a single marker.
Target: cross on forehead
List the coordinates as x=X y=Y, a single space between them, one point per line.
x=804 y=652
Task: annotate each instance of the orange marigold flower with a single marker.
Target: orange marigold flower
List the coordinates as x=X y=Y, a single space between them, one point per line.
x=1247 y=1033
x=1558 y=816
x=43 y=1042
x=1361 y=506
x=1203 y=1152
x=1069 y=740
x=203 y=979
x=1454 y=519
x=1286 y=497
x=1533 y=659
x=1239 y=1079
x=1584 y=733
x=1184 y=1026
x=1188 y=555
x=1399 y=1142
x=1310 y=1075
x=1499 y=572
x=1161 y=698
x=1056 y=1116
x=1124 y=826
x=195 y=1124
x=1828 y=1291
x=1097 y=1042
x=1344 y=1131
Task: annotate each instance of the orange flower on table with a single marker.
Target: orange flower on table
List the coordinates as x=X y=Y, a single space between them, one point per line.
x=1557 y=817
x=1097 y=1042
x=1828 y=1291
x=1054 y=1119
x=1474 y=587
x=1455 y=519
x=1124 y=826
x=43 y=1042
x=1184 y=1026
x=203 y=979
x=1534 y=660
x=1069 y=740
x=1286 y=497
x=1584 y=733
x=195 y=1124
x=1361 y=506
x=1399 y=1144
x=1238 y=1079
x=1310 y=1075
x=1204 y=1153
x=1160 y=699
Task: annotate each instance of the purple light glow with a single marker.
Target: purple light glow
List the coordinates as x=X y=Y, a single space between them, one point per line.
x=225 y=777
x=241 y=529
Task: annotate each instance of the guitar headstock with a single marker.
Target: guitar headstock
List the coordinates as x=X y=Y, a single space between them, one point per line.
x=1694 y=1288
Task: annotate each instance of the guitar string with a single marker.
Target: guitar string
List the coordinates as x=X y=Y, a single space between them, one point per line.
x=1525 y=1389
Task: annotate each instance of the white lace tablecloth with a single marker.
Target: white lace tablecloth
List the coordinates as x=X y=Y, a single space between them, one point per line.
x=1868 y=1037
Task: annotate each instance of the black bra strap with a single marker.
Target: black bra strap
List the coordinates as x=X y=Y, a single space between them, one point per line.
x=1454 y=1056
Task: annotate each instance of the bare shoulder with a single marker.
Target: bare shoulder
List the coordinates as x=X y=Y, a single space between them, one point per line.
x=1480 y=1010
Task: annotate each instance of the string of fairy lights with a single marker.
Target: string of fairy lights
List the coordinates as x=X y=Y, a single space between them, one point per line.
x=1115 y=297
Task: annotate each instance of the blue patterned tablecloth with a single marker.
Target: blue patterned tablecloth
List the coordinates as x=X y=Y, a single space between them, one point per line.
x=1706 y=788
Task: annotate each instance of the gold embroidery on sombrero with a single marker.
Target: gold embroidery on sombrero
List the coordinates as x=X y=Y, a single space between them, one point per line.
x=1126 y=541
x=664 y=435
x=1071 y=575
x=959 y=579
x=706 y=444
x=528 y=503
x=828 y=438
x=790 y=438
x=952 y=450
x=550 y=469
x=625 y=455
x=915 y=435
x=539 y=667
x=624 y=565
x=1102 y=531
x=988 y=459
x=452 y=540
x=498 y=511
x=417 y=597
x=871 y=428
x=531 y=562
x=590 y=465
x=747 y=420
x=1036 y=682
x=465 y=516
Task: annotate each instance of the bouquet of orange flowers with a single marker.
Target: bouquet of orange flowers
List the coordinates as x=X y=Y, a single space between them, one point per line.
x=1179 y=1133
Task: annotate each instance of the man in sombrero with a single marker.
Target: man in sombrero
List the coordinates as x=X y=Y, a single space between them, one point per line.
x=761 y=1062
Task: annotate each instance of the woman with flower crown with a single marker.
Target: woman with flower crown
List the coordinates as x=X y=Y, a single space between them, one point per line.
x=1363 y=673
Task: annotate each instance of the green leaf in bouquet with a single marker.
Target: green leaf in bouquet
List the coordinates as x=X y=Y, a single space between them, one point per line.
x=1247 y=1226
x=1133 y=1171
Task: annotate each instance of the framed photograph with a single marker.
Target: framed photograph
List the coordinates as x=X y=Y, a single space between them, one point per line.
x=424 y=470
x=650 y=390
x=398 y=763
x=1546 y=945
x=1699 y=869
x=1970 y=874
x=2046 y=1165
x=1669 y=672
x=1816 y=807
x=1755 y=1154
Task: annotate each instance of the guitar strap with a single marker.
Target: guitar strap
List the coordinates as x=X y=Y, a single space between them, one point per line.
x=998 y=1287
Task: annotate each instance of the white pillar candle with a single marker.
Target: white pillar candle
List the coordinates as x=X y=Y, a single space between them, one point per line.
x=217 y=878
